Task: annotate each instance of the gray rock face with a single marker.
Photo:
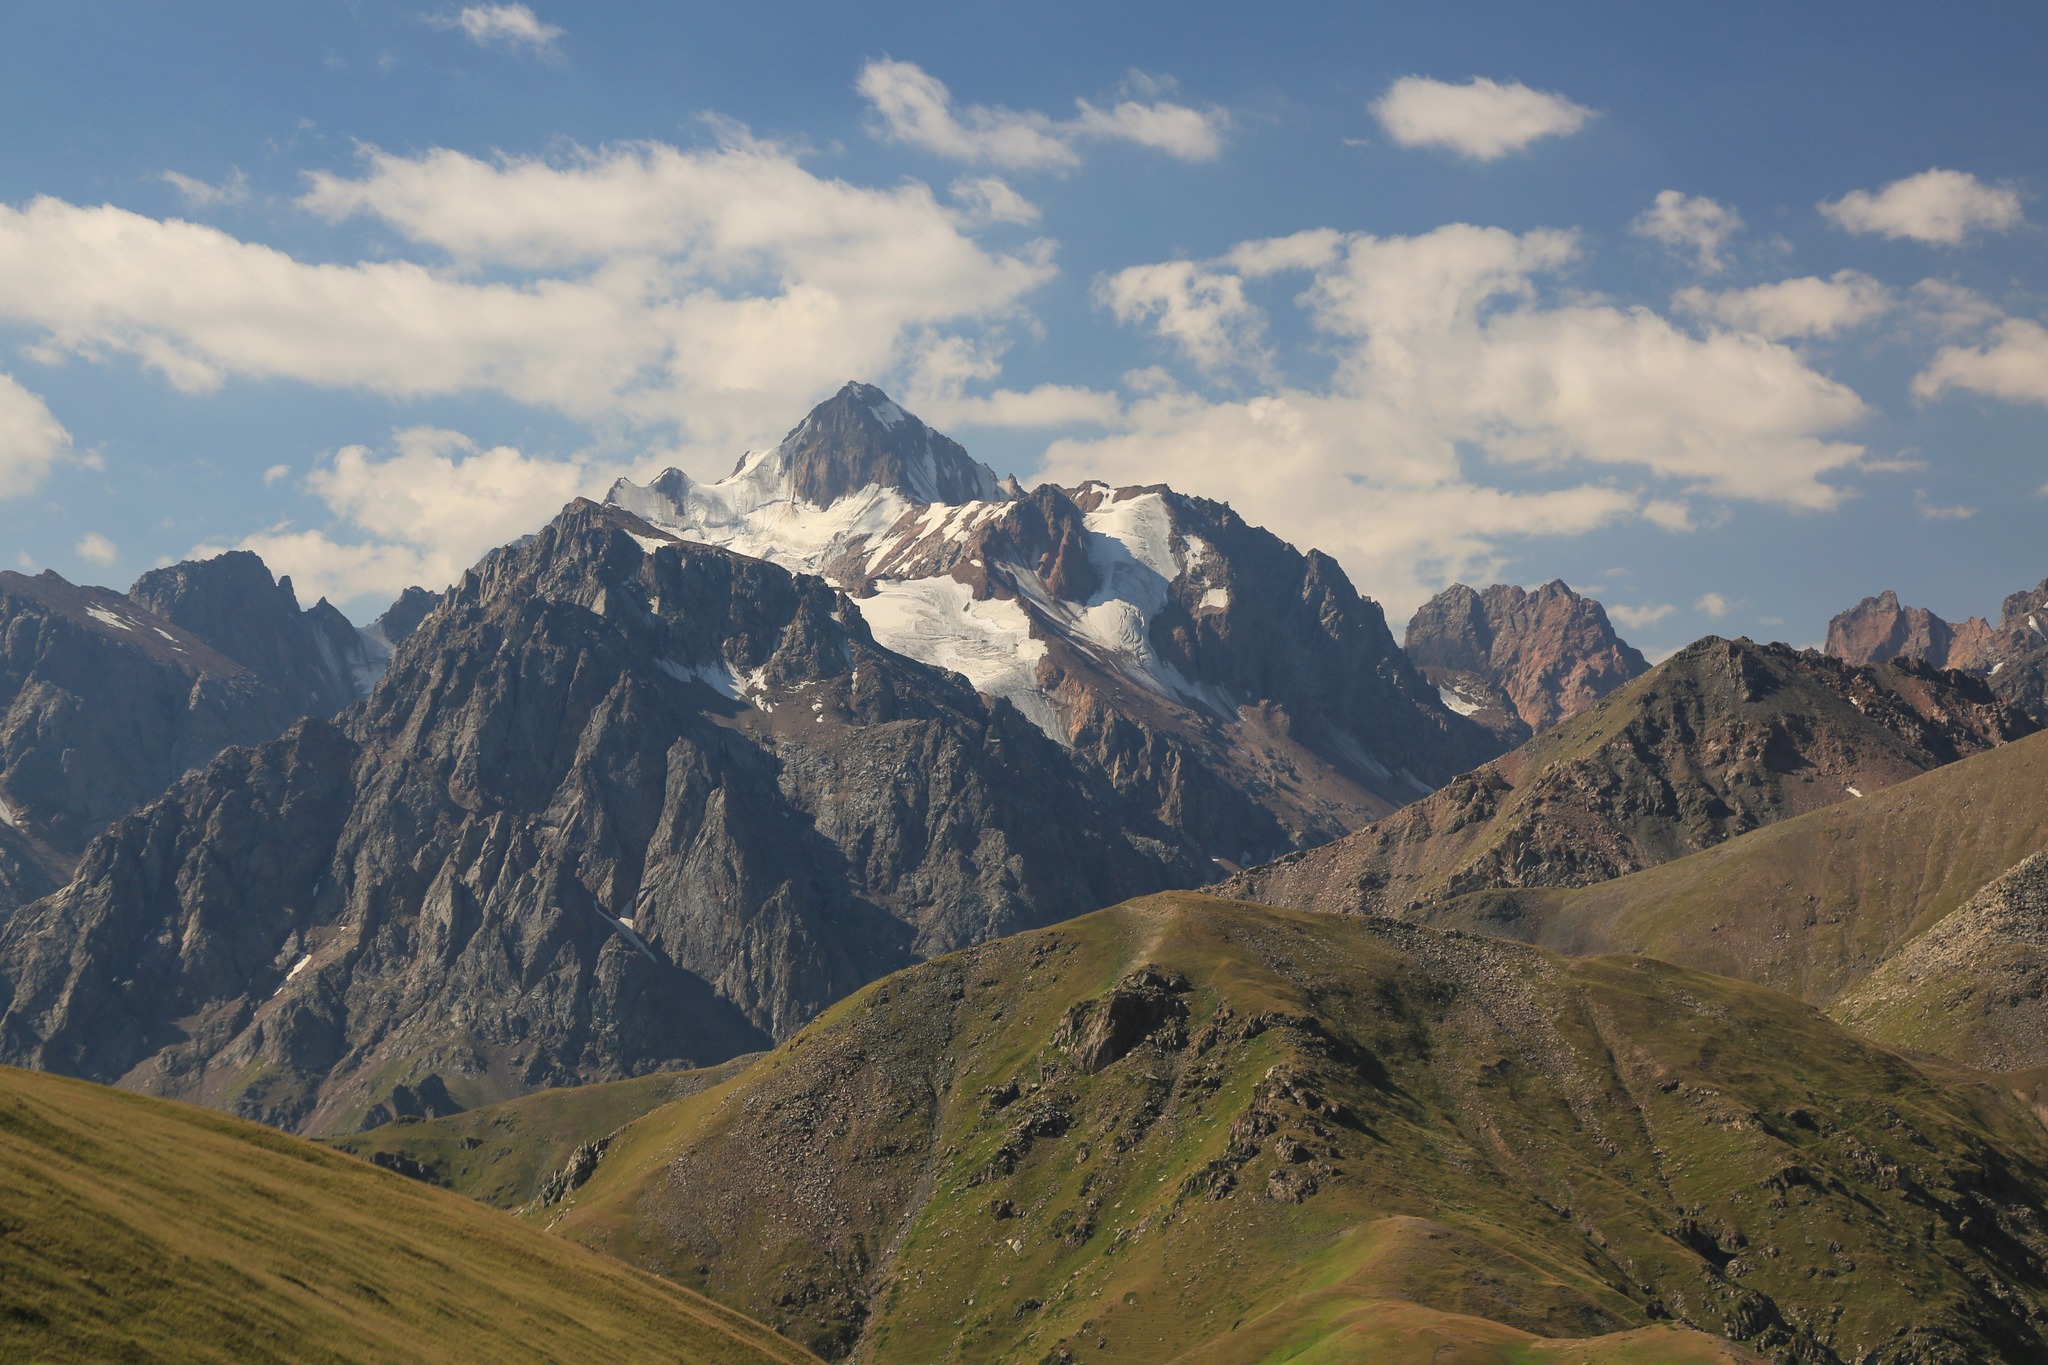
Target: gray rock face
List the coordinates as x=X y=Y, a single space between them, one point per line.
x=1244 y=693
x=105 y=700
x=620 y=803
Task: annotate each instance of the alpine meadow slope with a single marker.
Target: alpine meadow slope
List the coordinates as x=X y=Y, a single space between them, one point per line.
x=139 y=1229
x=1192 y=1128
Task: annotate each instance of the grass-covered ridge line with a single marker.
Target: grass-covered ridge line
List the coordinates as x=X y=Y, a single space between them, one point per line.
x=139 y=1229
x=1191 y=1127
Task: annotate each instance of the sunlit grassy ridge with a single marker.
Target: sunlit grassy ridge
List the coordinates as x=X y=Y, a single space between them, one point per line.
x=136 y=1229
x=1192 y=1127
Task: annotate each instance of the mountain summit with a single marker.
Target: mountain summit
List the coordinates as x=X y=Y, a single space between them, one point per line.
x=1245 y=692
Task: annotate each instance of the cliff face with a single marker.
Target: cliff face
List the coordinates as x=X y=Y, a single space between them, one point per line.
x=1517 y=660
x=620 y=803
x=106 y=699
x=2012 y=656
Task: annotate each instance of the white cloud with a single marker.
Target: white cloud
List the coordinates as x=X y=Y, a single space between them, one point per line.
x=1936 y=206
x=200 y=195
x=1481 y=119
x=1203 y=313
x=1645 y=617
x=277 y=473
x=509 y=26
x=990 y=199
x=720 y=289
x=421 y=514
x=96 y=547
x=1805 y=307
x=2012 y=365
x=1453 y=366
x=1714 y=606
x=1932 y=511
x=1687 y=223
x=915 y=107
x=31 y=440
x=946 y=365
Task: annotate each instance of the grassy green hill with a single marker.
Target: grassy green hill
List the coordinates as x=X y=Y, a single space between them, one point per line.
x=136 y=1229
x=1188 y=1128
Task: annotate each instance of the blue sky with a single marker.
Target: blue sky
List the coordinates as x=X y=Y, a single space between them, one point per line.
x=1730 y=313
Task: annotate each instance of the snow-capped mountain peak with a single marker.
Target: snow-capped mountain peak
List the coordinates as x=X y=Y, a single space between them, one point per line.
x=1155 y=632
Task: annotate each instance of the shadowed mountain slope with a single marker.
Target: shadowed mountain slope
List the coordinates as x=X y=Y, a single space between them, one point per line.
x=142 y=1230
x=620 y=803
x=1723 y=737
x=105 y=699
x=1191 y=1127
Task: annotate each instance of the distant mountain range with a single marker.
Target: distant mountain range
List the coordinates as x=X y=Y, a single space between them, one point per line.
x=2011 y=656
x=716 y=876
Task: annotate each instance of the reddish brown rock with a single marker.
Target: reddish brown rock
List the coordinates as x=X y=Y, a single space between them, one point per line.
x=1542 y=656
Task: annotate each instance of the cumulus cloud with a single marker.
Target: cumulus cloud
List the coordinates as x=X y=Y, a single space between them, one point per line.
x=506 y=26
x=96 y=547
x=31 y=440
x=1481 y=119
x=1203 y=312
x=199 y=195
x=913 y=106
x=1646 y=617
x=1938 y=206
x=1805 y=307
x=421 y=513
x=1692 y=224
x=1472 y=403
x=2012 y=364
x=719 y=289
x=1714 y=606
x=990 y=199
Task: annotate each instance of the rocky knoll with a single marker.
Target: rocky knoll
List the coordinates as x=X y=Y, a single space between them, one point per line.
x=620 y=803
x=2012 y=656
x=106 y=699
x=1724 y=736
x=1191 y=1129
x=1508 y=654
x=1243 y=692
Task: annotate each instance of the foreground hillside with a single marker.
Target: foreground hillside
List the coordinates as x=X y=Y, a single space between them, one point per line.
x=137 y=1229
x=1723 y=737
x=1187 y=1126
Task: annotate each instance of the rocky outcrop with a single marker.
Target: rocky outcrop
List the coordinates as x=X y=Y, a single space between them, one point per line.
x=620 y=803
x=1723 y=737
x=2012 y=656
x=1508 y=655
x=1243 y=692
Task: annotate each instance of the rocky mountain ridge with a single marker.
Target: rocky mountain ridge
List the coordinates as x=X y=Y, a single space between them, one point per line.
x=1243 y=691
x=106 y=699
x=1517 y=660
x=1723 y=737
x=2012 y=656
x=620 y=802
